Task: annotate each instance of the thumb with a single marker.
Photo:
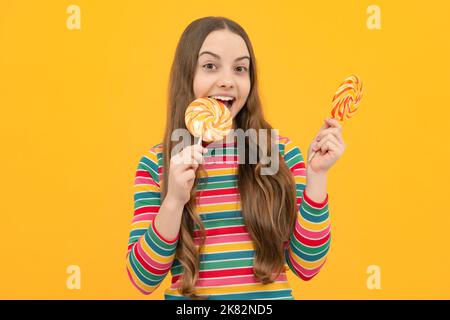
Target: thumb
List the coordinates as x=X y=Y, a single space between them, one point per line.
x=327 y=123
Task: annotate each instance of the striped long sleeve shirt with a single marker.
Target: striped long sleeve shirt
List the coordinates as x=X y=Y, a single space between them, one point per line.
x=226 y=263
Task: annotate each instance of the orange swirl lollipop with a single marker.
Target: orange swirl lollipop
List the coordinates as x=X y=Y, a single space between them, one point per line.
x=208 y=119
x=346 y=100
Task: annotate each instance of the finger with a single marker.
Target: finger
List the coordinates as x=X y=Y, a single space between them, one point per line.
x=333 y=131
x=194 y=165
x=189 y=161
x=329 y=146
x=324 y=142
x=188 y=175
x=324 y=127
x=182 y=168
x=195 y=155
x=322 y=133
x=330 y=123
x=333 y=123
x=195 y=151
x=194 y=148
x=184 y=162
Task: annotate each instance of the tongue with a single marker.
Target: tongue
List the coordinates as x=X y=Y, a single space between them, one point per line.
x=226 y=103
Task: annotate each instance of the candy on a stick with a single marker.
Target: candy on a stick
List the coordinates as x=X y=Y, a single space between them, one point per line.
x=346 y=100
x=208 y=119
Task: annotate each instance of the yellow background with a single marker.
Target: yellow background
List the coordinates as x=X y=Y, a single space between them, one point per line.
x=80 y=107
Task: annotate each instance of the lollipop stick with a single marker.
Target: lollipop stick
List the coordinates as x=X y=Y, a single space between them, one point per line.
x=201 y=136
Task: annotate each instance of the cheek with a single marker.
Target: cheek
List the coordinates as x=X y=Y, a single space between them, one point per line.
x=200 y=85
x=244 y=90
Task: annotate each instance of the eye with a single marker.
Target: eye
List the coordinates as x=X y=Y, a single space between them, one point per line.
x=208 y=64
x=244 y=69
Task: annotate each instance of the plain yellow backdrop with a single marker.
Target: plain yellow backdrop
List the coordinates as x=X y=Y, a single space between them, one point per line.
x=80 y=107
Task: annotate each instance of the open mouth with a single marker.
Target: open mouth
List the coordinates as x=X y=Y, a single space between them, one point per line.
x=227 y=103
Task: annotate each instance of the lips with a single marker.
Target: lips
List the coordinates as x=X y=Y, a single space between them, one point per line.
x=228 y=104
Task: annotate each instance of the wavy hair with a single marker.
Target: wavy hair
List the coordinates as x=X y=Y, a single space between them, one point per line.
x=268 y=202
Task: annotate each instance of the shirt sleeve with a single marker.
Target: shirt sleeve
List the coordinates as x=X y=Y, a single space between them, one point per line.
x=150 y=256
x=309 y=243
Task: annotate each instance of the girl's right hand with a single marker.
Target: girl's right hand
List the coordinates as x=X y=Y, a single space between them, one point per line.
x=183 y=166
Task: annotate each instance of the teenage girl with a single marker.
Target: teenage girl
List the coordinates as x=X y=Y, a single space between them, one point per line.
x=222 y=229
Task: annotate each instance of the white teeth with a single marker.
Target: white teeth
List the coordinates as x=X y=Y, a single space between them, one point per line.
x=222 y=98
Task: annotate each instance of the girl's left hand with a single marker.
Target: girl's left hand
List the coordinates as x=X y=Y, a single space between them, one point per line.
x=329 y=146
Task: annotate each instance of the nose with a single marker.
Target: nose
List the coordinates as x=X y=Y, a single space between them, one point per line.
x=225 y=80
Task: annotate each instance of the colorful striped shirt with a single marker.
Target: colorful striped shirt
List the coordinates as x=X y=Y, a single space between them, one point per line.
x=226 y=263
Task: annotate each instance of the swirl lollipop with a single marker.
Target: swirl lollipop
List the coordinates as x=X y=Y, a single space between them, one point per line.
x=346 y=100
x=208 y=119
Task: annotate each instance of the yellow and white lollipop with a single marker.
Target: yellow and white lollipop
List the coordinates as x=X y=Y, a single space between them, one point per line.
x=208 y=119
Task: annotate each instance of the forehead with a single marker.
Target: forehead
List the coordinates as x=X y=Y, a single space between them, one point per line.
x=226 y=44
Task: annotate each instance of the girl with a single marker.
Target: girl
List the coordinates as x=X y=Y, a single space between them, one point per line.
x=224 y=230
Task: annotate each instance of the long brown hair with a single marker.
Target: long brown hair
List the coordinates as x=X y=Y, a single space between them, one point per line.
x=268 y=201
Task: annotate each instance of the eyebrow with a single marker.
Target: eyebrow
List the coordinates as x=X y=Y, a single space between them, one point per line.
x=218 y=57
